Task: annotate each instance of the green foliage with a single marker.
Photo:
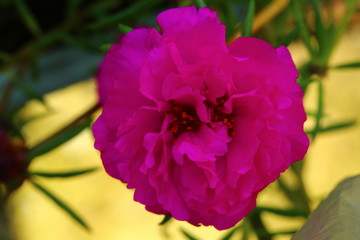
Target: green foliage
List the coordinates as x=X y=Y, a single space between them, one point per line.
x=105 y=47
x=188 y=235
x=200 y=3
x=348 y=65
x=292 y=35
x=57 y=139
x=27 y=17
x=241 y=227
x=292 y=212
x=129 y=12
x=166 y=219
x=304 y=30
x=248 y=21
x=124 y=28
x=62 y=205
x=333 y=127
x=62 y=174
x=320 y=110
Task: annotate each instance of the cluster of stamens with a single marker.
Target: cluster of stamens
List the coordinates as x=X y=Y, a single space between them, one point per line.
x=186 y=119
x=218 y=114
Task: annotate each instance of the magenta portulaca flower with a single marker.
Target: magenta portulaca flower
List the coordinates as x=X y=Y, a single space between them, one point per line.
x=196 y=127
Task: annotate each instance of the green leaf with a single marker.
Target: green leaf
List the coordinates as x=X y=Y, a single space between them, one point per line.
x=351 y=6
x=292 y=212
x=289 y=232
x=304 y=30
x=338 y=216
x=320 y=110
x=58 y=139
x=229 y=17
x=298 y=167
x=319 y=26
x=304 y=82
x=133 y=10
x=248 y=21
x=246 y=234
x=166 y=219
x=313 y=114
x=62 y=174
x=333 y=127
x=200 y=3
x=230 y=233
x=289 y=193
x=27 y=17
x=256 y=222
x=62 y=205
x=298 y=196
x=188 y=235
x=247 y=229
x=105 y=47
x=124 y=28
x=290 y=37
x=348 y=65
x=24 y=122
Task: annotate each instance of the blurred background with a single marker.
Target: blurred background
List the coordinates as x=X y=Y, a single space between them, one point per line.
x=53 y=185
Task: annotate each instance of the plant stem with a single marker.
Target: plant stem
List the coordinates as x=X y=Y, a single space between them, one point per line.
x=258 y=226
x=83 y=116
x=263 y=17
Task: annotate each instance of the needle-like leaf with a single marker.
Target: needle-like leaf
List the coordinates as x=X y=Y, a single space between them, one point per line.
x=188 y=235
x=248 y=21
x=27 y=17
x=62 y=205
x=166 y=219
x=348 y=65
x=57 y=140
x=200 y=3
x=333 y=127
x=63 y=174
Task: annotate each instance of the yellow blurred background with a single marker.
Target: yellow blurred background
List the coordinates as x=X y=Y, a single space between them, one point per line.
x=108 y=206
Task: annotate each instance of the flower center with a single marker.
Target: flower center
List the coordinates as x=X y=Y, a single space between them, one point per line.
x=218 y=115
x=186 y=119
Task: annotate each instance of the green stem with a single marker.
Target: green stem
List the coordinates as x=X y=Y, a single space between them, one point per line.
x=258 y=226
x=76 y=121
x=200 y=3
x=340 y=29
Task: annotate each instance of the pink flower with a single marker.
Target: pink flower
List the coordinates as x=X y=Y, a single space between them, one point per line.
x=197 y=127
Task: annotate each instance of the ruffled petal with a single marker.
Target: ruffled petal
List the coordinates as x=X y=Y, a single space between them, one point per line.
x=242 y=149
x=124 y=60
x=189 y=28
x=201 y=146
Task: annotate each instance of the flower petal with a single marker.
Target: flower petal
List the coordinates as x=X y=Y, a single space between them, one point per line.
x=242 y=149
x=201 y=146
x=125 y=58
x=189 y=28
